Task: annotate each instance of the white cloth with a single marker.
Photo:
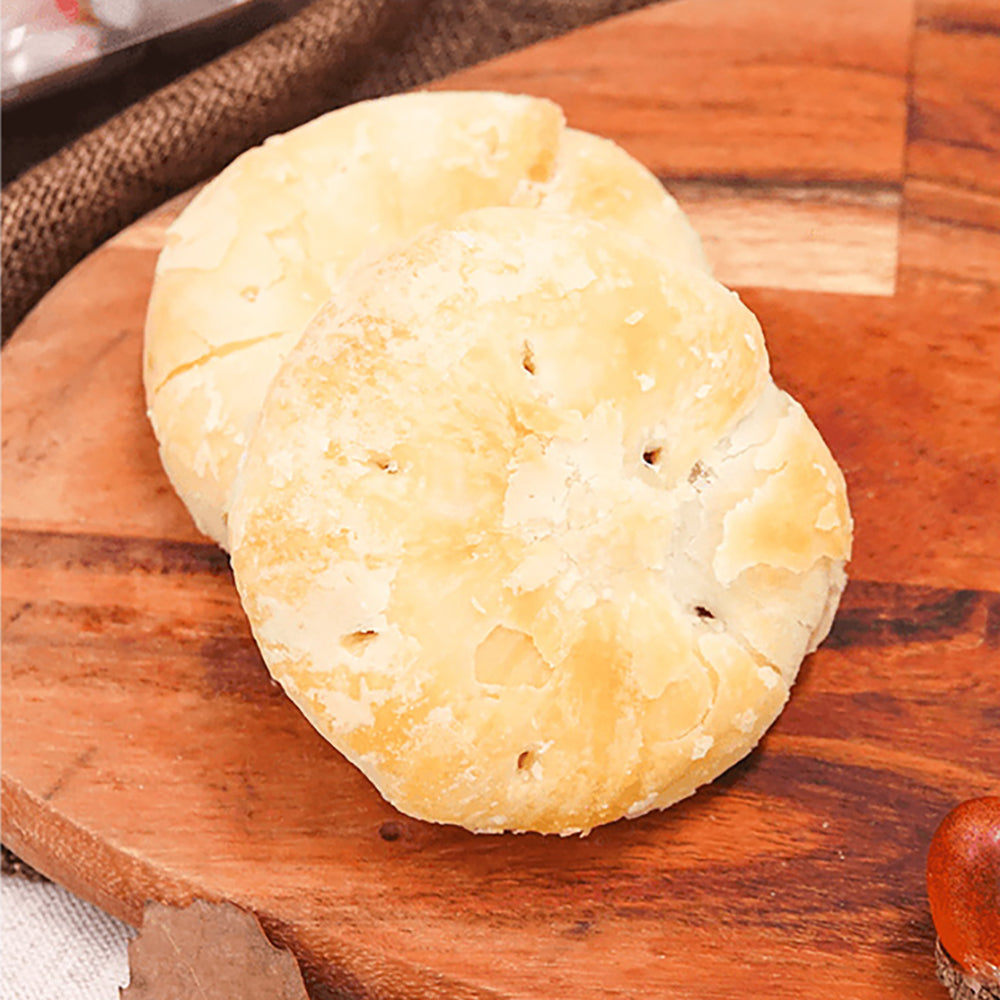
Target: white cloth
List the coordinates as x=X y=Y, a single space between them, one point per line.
x=54 y=946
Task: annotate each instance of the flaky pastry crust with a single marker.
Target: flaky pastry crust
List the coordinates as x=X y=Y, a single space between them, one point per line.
x=256 y=253
x=527 y=531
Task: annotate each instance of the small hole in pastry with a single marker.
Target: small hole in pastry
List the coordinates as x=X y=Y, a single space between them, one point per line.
x=528 y=358
x=356 y=642
x=385 y=463
x=703 y=612
x=652 y=455
x=524 y=760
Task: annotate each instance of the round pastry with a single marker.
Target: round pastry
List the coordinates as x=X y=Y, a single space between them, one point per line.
x=527 y=531
x=255 y=254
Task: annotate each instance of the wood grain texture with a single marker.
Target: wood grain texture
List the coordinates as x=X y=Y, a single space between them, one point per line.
x=825 y=238
x=147 y=754
x=952 y=190
x=780 y=127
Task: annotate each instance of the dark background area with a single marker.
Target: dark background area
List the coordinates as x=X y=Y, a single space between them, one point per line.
x=35 y=127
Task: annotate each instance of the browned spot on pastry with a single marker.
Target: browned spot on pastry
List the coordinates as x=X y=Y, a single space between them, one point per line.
x=652 y=455
x=698 y=471
x=541 y=169
x=356 y=642
x=528 y=358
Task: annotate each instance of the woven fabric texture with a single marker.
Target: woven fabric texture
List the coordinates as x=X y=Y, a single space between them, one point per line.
x=54 y=946
x=329 y=54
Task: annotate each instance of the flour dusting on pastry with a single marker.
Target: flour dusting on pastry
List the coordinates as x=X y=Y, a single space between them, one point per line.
x=527 y=531
x=257 y=252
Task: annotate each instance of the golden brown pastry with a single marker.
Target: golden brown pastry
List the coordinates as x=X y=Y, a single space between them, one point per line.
x=255 y=254
x=527 y=531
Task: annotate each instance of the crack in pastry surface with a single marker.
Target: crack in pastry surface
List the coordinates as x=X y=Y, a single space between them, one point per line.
x=216 y=353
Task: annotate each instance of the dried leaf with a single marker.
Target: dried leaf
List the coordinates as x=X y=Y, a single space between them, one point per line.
x=208 y=951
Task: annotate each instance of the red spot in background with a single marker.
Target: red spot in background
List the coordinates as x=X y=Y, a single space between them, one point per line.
x=70 y=9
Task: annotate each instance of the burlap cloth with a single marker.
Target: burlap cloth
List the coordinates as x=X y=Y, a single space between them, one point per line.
x=329 y=54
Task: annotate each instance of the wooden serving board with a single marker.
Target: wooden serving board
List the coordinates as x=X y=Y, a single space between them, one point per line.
x=841 y=157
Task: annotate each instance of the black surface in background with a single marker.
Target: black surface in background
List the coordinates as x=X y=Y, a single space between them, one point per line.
x=35 y=129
